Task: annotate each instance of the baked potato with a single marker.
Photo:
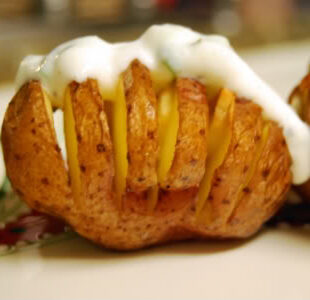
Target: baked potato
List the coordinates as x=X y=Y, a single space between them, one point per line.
x=148 y=167
x=300 y=101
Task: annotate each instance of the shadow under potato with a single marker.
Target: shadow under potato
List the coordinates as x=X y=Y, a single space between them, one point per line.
x=79 y=248
x=294 y=216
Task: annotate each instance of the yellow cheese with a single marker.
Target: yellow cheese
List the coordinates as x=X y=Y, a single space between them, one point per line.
x=168 y=121
x=119 y=139
x=218 y=144
x=168 y=125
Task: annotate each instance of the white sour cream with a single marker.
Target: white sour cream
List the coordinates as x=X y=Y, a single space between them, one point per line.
x=207 y=58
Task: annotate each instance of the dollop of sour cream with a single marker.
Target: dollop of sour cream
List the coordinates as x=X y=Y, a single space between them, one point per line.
x=165 y=49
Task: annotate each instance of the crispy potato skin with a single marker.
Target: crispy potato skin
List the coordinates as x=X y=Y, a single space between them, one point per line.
x=190 y=155
x=142 y=127
x=33 y=158
x=302 y=93
x=133 y=226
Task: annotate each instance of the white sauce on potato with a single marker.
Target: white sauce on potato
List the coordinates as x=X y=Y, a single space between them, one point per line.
x=207 y=58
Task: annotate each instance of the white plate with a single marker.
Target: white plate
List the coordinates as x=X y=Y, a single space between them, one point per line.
x=275 y=264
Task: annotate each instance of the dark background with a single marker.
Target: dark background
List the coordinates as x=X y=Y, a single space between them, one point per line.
x=36 y=26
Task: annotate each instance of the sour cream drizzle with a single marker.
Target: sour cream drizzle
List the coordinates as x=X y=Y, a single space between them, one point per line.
x=163 y=48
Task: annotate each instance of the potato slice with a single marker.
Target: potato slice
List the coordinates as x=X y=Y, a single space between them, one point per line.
x=88 y=138
x=33 y=158
x=96 y=216
x=219 y=139
x=190 y=153
x=142 y=127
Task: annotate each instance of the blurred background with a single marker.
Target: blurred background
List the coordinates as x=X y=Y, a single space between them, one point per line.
x=36 y=26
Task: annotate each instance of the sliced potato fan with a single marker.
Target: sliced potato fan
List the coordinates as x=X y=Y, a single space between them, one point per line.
x=151 y=165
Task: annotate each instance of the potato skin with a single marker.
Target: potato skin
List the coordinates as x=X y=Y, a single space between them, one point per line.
x=33 y=158
x=142 y=127
x=133 y=226
x=188 y=165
